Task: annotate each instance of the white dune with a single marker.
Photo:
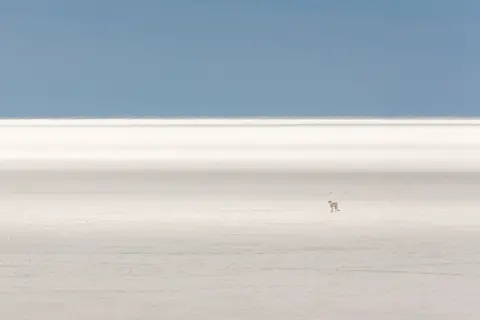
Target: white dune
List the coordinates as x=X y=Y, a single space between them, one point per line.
x=210 y=219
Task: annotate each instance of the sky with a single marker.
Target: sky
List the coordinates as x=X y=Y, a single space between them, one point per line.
x=248 y=58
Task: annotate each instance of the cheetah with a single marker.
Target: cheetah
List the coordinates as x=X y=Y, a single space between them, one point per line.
x=333 y=206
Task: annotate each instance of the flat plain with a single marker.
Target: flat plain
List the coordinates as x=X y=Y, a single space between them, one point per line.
x=238 y=245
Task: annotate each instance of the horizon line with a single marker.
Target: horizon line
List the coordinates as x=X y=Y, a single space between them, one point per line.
x=231 y=121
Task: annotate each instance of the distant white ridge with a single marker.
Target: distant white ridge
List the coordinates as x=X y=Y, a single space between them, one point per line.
x=253 y=144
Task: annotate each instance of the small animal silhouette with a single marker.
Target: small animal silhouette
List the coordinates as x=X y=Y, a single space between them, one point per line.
x=333 y=206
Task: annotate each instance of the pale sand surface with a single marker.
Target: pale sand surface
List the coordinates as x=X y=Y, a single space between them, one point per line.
x=239 y=246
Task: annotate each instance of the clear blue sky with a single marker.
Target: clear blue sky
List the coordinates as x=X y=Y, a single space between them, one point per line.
x=188 y=58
